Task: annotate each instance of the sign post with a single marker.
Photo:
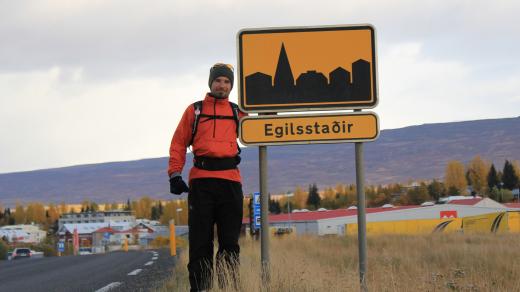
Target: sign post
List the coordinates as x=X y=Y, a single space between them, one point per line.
x=299 y=69
x=361 y=216
x=256 y=211
x=264 y=214
x=173 y=243
x=61 y=247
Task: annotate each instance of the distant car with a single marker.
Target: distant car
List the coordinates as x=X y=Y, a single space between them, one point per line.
x=20 y=253
x=85 y=251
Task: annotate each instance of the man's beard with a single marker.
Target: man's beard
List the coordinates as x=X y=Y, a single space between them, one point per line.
x=219 y=94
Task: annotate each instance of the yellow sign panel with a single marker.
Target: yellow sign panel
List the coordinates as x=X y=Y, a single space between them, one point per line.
x=307 y=68
x=411 y=227
x=494 y=222
x=306 y=129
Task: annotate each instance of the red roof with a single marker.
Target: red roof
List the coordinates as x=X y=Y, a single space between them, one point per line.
x=105 y=229
x=466 y=202
x=512 y=205
x=113 y=231
x=317 y=215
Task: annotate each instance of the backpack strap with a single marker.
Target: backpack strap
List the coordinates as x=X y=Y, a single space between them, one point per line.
x=197 y=107
x=234 y=109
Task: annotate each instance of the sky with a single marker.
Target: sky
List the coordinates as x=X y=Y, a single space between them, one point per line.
x=96 y=81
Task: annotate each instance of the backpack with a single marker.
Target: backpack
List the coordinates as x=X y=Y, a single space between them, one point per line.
x=197 y=106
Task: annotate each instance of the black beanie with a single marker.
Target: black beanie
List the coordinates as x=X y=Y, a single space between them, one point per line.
x=218 y=70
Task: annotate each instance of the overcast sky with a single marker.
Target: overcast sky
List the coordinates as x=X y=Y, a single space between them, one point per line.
x=96 y=81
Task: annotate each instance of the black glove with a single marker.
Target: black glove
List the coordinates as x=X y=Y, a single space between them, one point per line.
x=178 y=186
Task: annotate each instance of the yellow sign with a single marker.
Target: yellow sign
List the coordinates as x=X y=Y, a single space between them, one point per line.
x=310 y=68
x=307 y=129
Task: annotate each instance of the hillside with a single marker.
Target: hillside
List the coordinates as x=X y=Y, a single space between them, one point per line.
x=399 y=155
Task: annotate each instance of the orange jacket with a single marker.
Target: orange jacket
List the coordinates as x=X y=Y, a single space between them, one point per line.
x=215 y=138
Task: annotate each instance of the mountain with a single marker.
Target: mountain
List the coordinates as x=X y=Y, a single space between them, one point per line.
x=398 y=155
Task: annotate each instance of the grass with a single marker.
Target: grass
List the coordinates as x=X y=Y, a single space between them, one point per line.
x=437 y=262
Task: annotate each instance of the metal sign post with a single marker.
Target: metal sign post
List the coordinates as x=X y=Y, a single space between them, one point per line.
x=361 y=216
x=264 y=213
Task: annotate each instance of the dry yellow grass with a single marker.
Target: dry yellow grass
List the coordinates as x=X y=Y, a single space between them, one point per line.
x=442 y=262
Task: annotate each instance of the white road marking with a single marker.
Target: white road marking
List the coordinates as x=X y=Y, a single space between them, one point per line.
x=154 y=258
x=134 y=272
x=109 y=287
x=148 y=263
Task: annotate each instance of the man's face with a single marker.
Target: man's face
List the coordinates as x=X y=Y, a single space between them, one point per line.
x=221 y=87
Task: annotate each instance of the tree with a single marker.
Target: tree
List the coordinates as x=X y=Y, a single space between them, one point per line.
x=516 y=167
x=492 y=178
x=340 y=190
x=154 y=213
x=436 y=190
x=35 y=213
x=128 y=206
x=144 y=208
x=94 y=207
x=418 y=195
x=63 y=208
x=53 y=214
x=160 y=208
x=114 y=206
x=477 y=174
x=509 y=177
x=274 y=207
x=455 y=177
x=300 y=198
x=314 y=197
x=19 y=214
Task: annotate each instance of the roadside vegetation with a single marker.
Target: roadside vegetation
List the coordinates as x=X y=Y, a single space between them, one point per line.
x=437 y=262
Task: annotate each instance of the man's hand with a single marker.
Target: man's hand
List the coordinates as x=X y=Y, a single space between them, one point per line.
x=178 y=186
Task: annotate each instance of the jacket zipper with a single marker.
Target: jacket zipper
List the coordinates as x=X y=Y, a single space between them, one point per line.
x=214 y=116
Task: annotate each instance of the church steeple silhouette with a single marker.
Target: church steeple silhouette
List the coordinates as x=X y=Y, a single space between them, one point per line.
x=283 y=78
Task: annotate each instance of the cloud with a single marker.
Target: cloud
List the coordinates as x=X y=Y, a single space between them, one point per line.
x=61 y=120
x=416 y=87
x=91 y=81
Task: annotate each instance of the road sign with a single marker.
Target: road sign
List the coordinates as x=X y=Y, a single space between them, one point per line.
x=307 y=68
x=309 y=129
x=61 y=246
x=256 y=209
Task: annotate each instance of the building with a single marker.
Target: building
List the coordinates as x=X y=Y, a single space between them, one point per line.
x=96 y=217
x=86 y=231
x=26 y=233
x=333 y=222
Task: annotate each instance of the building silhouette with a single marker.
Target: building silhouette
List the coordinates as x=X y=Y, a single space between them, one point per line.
x=311 y=86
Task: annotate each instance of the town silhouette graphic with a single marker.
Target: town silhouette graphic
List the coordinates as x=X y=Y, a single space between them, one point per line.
x=311 y=86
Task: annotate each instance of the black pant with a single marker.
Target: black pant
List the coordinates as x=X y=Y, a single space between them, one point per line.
x=213 y=200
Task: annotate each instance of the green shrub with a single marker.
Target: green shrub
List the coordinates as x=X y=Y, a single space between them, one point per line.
x=3 y=250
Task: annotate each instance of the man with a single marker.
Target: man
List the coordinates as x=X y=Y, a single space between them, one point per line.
x=215 y=190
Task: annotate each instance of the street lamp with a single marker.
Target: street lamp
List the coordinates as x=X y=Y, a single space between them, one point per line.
x=177 y=215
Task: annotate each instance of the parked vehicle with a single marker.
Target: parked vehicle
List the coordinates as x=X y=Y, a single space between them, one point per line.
x=85 y=250
x=20 y=253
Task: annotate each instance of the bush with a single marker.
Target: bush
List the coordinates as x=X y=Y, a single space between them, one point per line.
x=48 y=250
x=3 y=250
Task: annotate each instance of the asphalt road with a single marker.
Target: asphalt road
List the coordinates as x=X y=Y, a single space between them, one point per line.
x=116 y=271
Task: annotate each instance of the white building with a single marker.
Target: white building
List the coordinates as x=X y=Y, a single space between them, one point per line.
x=333 y=221
x=96 y=217
x=23 y=233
